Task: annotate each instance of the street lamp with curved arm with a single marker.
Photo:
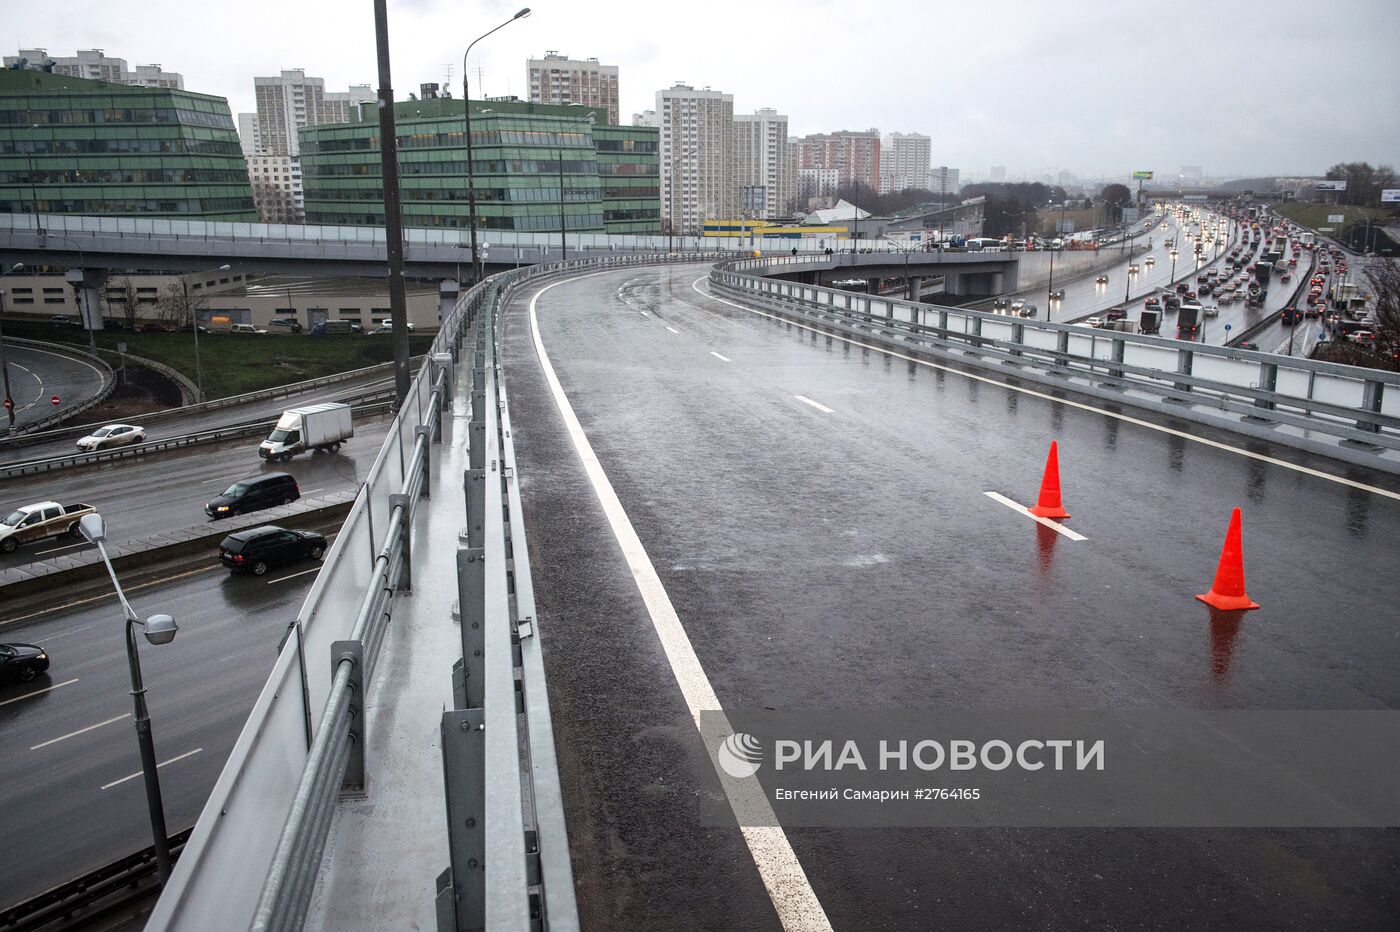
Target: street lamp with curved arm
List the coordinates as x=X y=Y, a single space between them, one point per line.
x=158 y=629
x=467 y=133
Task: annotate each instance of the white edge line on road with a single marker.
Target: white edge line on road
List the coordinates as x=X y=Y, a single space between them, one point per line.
x=40 y=692
x=1052 y=525
x=816 y=404
x=108 y=595
x=788 y=888
x=64 y=547
x=133 y=776
x=1139 y=422
x=80 y=731
x=719 y=357
x=314 y=569
x=673 y=329
x=314 y=491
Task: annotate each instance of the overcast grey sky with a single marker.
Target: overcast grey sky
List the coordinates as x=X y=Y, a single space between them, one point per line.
x=1240 y=87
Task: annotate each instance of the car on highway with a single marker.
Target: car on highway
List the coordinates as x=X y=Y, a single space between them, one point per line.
x=63 y=320
x=1150 y=262
x=253 y=494
x=1018 y=304
x=40 y=521
x=20 y=663
x=256 y=550
x=1210 y=310
x=1095 y=322
x=1152 y=301
x=1115 y=313
x=1102 y=280
x=999 y=304
x=112 y=435
x=1133 y=268
x=1246 y=344
x=1057 y=295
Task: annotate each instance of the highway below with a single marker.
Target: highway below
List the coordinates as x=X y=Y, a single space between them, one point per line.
x=38 y=375
x=60 y=442
x=165 y=491
x=71 y=795
x=817 y=514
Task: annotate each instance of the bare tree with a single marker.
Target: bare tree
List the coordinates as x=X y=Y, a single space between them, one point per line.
x=1384 y=278
x=123 y=304
x=176 y=309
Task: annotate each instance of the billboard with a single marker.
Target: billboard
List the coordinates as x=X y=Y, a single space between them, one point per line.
x=1336 y=218
x=1331 y=186
x=1390 y=196
x=1142 y=176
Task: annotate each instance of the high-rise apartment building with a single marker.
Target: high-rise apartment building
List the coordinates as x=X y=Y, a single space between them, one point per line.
x=291 y=101
x=761 y=164
x=645 y=118
x=559 y=79
x=943 y=181
x=855 y=156
x=904 y=162
x=95 y=65
x=697 y=157
x=277 y=189
x=248 y=136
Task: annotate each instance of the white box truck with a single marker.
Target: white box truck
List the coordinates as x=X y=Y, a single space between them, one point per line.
x=314 y=427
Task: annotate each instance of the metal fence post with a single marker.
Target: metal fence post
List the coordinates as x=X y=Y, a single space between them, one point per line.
x=1184 y=360
x=461 y=889
x=1268 y=380
x=1371 y=394
x=405 y=580
x=352 y=781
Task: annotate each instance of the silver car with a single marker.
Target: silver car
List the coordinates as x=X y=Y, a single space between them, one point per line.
x=112 y=435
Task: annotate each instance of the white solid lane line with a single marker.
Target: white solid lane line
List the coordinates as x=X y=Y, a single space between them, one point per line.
x=673 y=329
x=133 y=776
x=1184 y=435
x=1052 y=525
x=40 y=692
x=314 y=491
x=58 y=549
x=788 y=888
x=80 y=731
x=314 y=569
x=816 y=404
x=719 y=357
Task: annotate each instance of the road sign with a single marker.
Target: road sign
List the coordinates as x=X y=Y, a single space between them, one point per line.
x=1390 y=196
x=1336 y=218
x=1142 y=176
x=121 y=347
x=1331 y=186
x=55 y=401
x=1227 y=328
x=9 y=403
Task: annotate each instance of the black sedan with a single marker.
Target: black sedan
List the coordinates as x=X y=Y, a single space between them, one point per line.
x=20 y=663
x=256 y=550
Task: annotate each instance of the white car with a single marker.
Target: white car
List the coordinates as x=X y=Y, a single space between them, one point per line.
x=1095 y=322
x=113 y=435
x=1210 y=310
x=389 y=324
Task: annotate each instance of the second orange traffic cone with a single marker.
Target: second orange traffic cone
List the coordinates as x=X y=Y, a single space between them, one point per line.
x=1049 y=505
x=1227 y=592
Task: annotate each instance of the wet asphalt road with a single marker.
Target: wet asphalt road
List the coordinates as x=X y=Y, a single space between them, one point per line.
x=849 y=559
x=166 y=491
x=37 y=375
x=60 y=822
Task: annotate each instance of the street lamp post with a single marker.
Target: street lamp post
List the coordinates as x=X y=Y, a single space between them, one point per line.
x=159 y=629
x=194 y=318
x=467 y=133
x=4 y=364
x=559 y=152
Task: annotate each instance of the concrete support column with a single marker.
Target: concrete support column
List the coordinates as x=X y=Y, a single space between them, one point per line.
x=916 y=288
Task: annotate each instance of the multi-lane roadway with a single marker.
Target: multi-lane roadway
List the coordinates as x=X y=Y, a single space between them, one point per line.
x=71 y=792
x=37 y=376
x=816 y=513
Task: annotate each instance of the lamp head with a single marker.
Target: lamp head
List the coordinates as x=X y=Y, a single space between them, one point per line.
x=93 y=528
x=522 y=14
x=161 y=629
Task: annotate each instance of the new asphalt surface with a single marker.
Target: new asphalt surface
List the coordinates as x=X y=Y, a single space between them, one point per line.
x=817 y=513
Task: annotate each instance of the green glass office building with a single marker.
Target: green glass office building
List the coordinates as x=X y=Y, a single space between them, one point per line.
x=74 y=146
x=521 y=153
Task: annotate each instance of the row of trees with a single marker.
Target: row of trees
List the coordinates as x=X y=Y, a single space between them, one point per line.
x=1364 y=182
x=173 y=310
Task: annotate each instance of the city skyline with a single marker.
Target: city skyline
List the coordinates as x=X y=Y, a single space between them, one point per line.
x=1097 y=95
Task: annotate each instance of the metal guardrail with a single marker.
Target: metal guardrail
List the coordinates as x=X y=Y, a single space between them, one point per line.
x=278 y=391
x=377 y=403
x=254 y=857
x=1346 y=402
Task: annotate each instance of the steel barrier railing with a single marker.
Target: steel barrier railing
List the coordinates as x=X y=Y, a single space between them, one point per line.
x=254 y=856
x=1358 y=406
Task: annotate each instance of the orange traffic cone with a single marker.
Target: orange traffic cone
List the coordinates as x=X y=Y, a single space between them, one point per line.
x=1227 y=592
x=1049 y=504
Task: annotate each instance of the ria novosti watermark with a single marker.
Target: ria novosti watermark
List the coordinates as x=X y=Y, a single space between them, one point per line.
x=1144 y=769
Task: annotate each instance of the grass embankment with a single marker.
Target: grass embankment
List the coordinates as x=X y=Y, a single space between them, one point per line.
x=1315 y=215
x=236 y=363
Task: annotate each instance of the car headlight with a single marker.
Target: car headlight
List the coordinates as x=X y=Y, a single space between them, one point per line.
x=42 y=656
x=222 y=508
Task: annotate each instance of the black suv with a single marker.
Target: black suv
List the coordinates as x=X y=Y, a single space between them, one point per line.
x=254 y=494
x=257 y=549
